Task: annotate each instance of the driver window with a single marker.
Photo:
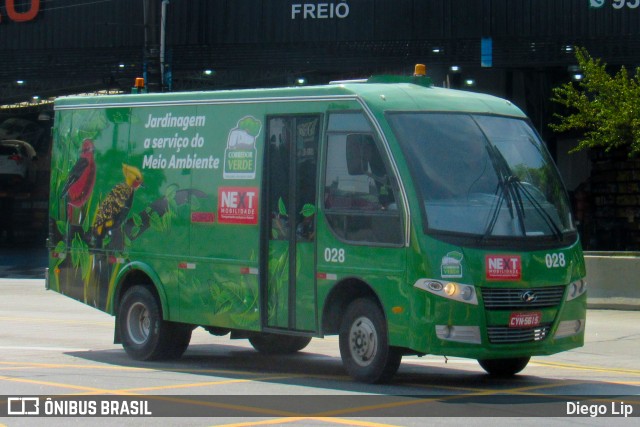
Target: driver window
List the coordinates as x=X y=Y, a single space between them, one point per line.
x=358 y=198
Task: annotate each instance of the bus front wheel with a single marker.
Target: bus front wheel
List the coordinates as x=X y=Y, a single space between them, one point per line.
x=364 y=346
x=504 y=367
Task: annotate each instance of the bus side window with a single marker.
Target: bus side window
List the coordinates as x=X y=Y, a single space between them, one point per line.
x=358 y=198
x=280 y=141
x=292 y=165
x=307 y=137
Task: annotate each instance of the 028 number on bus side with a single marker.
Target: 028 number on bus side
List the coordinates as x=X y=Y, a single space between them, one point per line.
x=334 y=255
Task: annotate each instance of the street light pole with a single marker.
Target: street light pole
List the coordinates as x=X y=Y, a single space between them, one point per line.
x=151 y=47
x=163 y=35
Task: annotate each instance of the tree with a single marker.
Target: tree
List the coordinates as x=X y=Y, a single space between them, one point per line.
x=605 y=107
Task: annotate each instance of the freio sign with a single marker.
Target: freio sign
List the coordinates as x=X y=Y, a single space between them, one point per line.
x=27 y=10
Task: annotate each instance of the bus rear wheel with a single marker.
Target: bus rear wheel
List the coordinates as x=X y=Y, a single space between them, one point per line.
x=145 y=335
x=278 y=344
x=504 y=367
x=364 y=347
x=180 y=338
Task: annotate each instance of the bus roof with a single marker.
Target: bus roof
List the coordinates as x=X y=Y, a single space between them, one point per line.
x=378 y=96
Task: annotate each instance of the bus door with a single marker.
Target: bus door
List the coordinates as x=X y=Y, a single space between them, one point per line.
x=288 y=286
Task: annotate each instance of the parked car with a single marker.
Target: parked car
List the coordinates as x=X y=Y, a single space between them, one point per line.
x=23 y=130
x=17 y=164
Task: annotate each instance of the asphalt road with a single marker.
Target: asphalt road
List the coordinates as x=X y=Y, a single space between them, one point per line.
x=53 y=346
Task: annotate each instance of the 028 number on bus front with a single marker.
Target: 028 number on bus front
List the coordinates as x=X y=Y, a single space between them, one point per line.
x=555 y=260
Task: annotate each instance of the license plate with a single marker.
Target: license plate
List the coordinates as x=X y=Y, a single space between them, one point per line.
x=525 y=320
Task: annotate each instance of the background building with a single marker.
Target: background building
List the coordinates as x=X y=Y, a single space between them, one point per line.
x=517 y=49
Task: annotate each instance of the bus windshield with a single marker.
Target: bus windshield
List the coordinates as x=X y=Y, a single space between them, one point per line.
x=486 y=176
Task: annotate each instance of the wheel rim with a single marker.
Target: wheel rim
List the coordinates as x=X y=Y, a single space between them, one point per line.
x=138 y=323
x=363 y=341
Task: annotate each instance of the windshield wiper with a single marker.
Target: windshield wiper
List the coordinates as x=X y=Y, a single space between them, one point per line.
x=511 y=188
x=548 y=219
x=514 y=203
x=504 y=191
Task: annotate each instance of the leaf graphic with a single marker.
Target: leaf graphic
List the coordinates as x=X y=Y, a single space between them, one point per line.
x=137 y=219
x=78 y=248
x=156 y=221
x=62 y=227
x=308 y=210
x=194 y=203
x=170 y=192
x=232 y=297
x=282 y=209
x=250 y=125
x=86 y=266
x=455 y=255
x=61 y=247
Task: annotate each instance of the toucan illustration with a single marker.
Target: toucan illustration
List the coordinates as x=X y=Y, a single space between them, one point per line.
x=115 y=207
x=81 y=179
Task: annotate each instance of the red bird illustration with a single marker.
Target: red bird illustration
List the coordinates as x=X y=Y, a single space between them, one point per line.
x=81 y=179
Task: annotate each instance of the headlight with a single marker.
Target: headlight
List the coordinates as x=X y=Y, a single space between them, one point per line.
x=467 y=292
x=576 y=289
x=450 y=290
